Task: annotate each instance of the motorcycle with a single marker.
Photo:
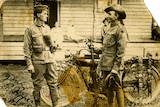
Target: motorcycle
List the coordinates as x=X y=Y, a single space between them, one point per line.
x=140 y=79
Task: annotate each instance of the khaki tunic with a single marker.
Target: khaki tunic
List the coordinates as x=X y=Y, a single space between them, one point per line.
x=34 y=41
x=113 y=49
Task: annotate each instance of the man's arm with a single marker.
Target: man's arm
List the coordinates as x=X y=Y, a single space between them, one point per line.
x=27 y=47
x=121 y=45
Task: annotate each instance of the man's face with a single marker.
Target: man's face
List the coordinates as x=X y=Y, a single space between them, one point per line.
x=111 y=16
x=43 y=16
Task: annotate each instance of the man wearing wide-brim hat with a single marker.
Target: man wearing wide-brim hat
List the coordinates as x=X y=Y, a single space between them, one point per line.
x=117 y=8
x=38 y=49
x=113 y=50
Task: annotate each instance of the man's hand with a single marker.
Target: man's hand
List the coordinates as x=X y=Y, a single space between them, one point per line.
x=112 y=81
x=115 y=75
x=53 y=49
x=97 y=51
x=31 y=69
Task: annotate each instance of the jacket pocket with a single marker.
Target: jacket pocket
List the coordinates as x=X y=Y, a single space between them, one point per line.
x=107 y=61
x=37 y=39
x=111 y=41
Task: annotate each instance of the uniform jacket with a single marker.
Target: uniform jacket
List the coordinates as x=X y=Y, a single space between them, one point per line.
x=113 y=50
x=35 y=48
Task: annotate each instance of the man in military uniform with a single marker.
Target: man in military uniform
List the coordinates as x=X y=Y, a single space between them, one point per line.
x=113 y=49
x=38 y=48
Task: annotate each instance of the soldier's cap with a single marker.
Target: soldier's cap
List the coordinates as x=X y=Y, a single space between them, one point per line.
x=39 y=8
x=117 y=8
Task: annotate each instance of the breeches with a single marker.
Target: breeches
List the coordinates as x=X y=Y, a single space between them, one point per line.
x=48 y=72
x=118 y=95
x=114 y=94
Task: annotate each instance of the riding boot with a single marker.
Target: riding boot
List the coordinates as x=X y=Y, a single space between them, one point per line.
x=120 y=97
x=54 y=97
x=110 y=96
x=37 y=99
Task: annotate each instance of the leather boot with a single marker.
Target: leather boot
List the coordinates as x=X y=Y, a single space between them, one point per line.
x=37 y=99
x=54 y=97
x=110 y=96
x=120 y=97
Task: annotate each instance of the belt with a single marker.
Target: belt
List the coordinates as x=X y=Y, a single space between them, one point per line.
x=108 y=53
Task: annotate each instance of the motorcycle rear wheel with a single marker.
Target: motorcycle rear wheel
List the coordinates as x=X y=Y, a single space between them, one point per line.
x=131 y=90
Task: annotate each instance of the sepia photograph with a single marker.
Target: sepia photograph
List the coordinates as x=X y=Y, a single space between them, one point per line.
x=79 y=53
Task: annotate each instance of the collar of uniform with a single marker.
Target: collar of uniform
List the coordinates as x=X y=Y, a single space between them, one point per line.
x=38 y=23
x=115 y=23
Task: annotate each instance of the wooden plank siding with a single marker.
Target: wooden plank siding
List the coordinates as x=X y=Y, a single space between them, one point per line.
x=153 y=48
x=11 y=51
x=138 y=21
x=14 y=50
x=98 y=24
x=17 y=15
x=81 y=13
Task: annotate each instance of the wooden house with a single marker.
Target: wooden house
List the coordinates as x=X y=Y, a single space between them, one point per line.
x=86 y=15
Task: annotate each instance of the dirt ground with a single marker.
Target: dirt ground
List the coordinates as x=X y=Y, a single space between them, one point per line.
x=16 y=88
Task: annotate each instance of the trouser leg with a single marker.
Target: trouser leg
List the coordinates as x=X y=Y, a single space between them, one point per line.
x=36 y=96
x=120 y=97
x=104 y=88
x=110 y=95
x=110 y=92
x=51 y=78
x=37 y=78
